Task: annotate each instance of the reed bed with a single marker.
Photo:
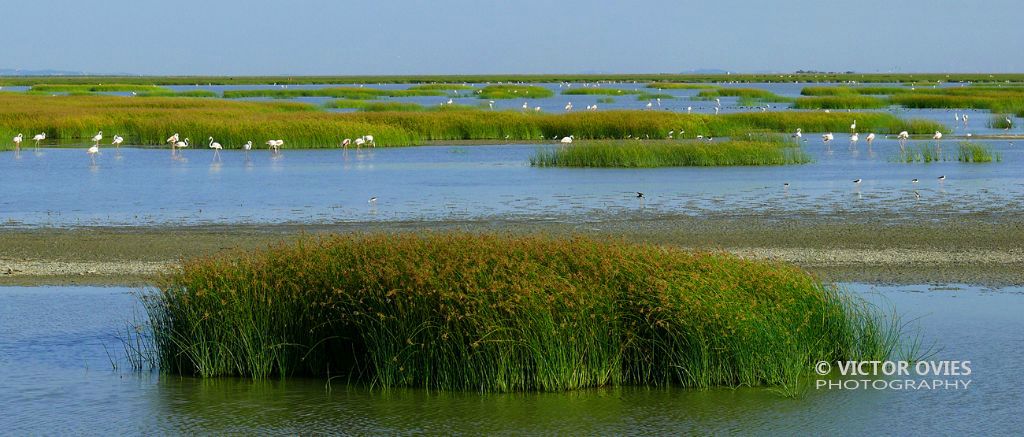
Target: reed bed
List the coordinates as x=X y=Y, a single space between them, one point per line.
x=743 y=93
x=169 y=93
x=514 y=92
x=606 y=100
x=96 y=88
x=357 y=93
x=1000 y=121
x=443 y=87
x=845 y=91
x=654 y=96
x=374 y=106
x=598 y=92
x=976 y=153
x=681 y=86
x=495 y=313
x=149 y=121
x=649 y=154
x=840 y=102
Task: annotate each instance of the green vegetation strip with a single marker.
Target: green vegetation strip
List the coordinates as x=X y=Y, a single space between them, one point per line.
x=514 y=92
x=151 y=120
x=840 y=102
x=497 y=313
x=966 y=152
x=360 y=93
x=646 y=154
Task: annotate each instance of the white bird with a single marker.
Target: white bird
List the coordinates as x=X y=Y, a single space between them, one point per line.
x=903 y=135
x=17 y=141
x=649 y=105
x=98 y=137
x=716 y=110
x=567 y=140
x=956 y=116
x=247 y=146
x=369 y=139
x=937 y=136
x=216 y=148
x=536 y=109
x=857 y=181
x=827 y=137
x=689 y=109
x=359 y=142
x=526 y=106
x=568 y=106
x=942 y=178
x=799 y=133
x=853 y=126
x=39 y=137
x=173 y=139
x=718 y=101
x=346 y=142
x=871 y=137
x=450 y=101
x=490 y=103
x=372 y=201
x=1009 y=123
x=180 y=144
x=117 y=141
x=854 y=138
x=275 y=144
x=93 y=151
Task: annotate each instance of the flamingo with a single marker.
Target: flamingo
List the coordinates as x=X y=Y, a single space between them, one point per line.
x=98 y=137
x=870 y=138
x=718 y=102
x=369 y=140
x=359 y=142
x=39 y=137
x=17 y=141
x=1009 y=123
x=853 y=126
x=117 y=141
x=937 y=136
x=567 y=140
x=346 y=142
x=903 y=137
x=716 y=110
x=536 y=109
x=799 y=133
x=649 y=105
x=173 y=139
x=216 y=148
x=689 y=109
x=93 y=151
x=275 y=144
x=568 y=106
x=827 y=137
x=179 y=144
x=854 y=138
x=490 y=103
x=526 y=106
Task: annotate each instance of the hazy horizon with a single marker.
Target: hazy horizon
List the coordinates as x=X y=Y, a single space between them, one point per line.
x=528 y=37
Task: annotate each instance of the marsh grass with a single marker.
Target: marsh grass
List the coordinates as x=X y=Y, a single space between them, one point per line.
x=442 y=86
x=97 y=88
x=852 y=101
x=648 y=154
x=681 y=86
x=491 y=313
x=151 y=120
x=374 y=106
x=755 y=94
x=922 y=153
x=599 y=92
x=514 y=92
x=357 y=93
x=606 y=100
x=976 y=153
x=653 y=96
x=169 y=93
x=998 y=121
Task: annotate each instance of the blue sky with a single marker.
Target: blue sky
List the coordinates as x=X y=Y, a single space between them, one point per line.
x=457 y=36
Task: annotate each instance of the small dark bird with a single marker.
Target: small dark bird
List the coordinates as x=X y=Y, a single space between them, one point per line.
x=639 y=195
x=856 y=181
x=372 y=200
x=942 y=178
x=917 y=194
x=785 y=184
x=913 y=181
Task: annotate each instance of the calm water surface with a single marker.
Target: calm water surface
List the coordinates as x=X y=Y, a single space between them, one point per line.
x=61 y=187
x=57 y=378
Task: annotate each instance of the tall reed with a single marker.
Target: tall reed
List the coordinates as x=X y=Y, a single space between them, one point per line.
x=454 y=311
x=646 y=154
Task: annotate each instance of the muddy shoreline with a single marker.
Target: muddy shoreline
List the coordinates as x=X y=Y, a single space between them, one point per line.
x=984 y=250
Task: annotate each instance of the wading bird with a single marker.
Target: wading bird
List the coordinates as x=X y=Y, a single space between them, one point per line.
x=369 y=140
x=216 y=148
x=179 y=144
x=359 y=142
x=372 y=201
x=937 y=136
x=827 y=137
x=870 y=138
x=1009 y=123
x=689 y=109
x=39 y=137
x=275 y=144
x=942 y=178
x=567 y=140
x=639 y=195
x=172 y=140
x=97 y=138
x=117 y=141
x=345 y=142
x=17 y=141
x=913 y=181
x=93 y=151
x=857 y=181
x=853 y=126
x=799 y=133
x=526 y=106
x=854 y=138
x=649 y=105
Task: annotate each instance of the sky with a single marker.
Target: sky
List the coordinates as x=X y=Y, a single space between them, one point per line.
x=320 y=37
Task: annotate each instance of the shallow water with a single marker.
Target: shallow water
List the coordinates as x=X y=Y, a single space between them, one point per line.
x=57 y=378
x=61 y=187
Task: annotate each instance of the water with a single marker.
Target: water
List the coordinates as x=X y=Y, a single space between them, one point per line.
x=55 y=377
x=60 y=187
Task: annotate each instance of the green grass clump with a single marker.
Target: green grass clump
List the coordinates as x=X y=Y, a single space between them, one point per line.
x=743 y=93
x=999 y=121
x=922 y=153
x=649 y=154
x=599 y=92
x=976 y=153
x=845 y=91
x=606 y=100
x=373 y=106
x=356 y=93
x=514 y=92
x=840 y=102
x=169 y=93
x=681 y=86
x=454 y=311
x=442 y=86
x=97 y=88
x=653 y=96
